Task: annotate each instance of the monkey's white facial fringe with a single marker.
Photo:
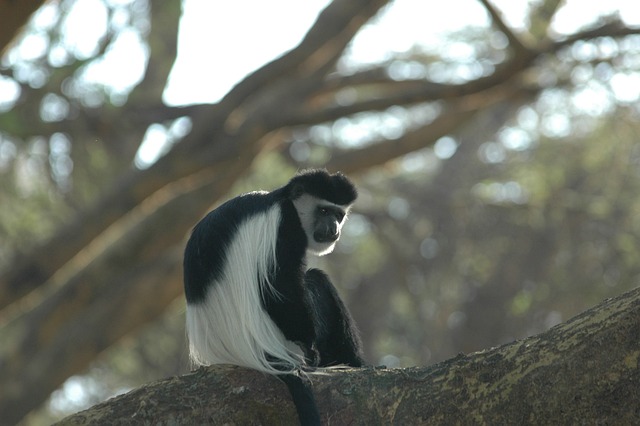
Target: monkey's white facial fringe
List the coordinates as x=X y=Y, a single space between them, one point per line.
x=230 y=326
x=305 y=206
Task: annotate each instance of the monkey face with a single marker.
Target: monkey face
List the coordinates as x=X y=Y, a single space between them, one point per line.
x=327 y=224
x=322 y=222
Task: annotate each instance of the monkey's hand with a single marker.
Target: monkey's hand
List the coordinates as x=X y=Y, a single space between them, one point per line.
x=311 y=354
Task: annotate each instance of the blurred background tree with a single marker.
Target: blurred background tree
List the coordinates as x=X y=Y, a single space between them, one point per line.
x=497 y=162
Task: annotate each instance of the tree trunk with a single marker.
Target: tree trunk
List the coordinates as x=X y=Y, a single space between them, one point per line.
x=585 y=370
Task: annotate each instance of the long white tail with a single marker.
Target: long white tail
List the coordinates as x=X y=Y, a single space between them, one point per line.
x=230 y=326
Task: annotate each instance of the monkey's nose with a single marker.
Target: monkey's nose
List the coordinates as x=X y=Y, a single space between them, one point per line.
x=326 y=237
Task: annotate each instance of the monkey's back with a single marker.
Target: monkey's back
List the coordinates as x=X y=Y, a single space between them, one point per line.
x=207 y=248
x=230 y=260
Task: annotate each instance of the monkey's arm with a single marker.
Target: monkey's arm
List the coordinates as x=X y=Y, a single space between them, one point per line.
x=289 y=307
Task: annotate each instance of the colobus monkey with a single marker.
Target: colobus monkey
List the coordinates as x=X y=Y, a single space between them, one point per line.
x=251 y=300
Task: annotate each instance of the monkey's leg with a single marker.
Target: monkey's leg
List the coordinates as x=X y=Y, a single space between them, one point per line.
x=289 y=310
x=337 y=338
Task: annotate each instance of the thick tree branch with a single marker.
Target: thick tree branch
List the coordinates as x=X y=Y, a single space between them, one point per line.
x=163 y=48
x=587 y=368
x=335 y=27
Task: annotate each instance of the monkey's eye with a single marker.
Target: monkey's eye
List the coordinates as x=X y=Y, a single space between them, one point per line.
x=323 y=211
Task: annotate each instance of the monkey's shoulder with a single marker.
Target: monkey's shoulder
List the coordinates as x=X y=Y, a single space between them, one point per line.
x=221 y=224
x=241 y=207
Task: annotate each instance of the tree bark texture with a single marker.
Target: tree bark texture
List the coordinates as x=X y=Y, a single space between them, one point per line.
x=586 y=370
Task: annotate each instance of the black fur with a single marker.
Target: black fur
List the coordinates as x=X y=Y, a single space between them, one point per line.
x=302 y=395
x=205 y=254
x=308 y=310
x=335 y=188
x=337 y=339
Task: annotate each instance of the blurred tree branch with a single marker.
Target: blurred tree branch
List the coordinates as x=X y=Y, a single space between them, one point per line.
x=540 y=17
x=209 y=124
x=14 y=15
x=212 y=139
x=586 y=368
x=514 y=41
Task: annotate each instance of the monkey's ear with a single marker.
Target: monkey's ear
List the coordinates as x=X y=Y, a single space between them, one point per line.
x=296 y=190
